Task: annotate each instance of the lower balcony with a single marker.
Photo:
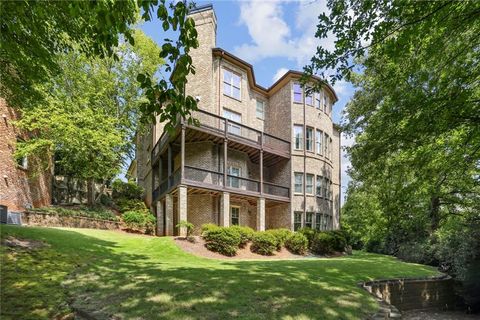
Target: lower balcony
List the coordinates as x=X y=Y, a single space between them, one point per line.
x=214 y=180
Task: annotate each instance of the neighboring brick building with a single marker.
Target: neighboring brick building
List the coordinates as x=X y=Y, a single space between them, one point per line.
x=23 y=184
x=261 y=157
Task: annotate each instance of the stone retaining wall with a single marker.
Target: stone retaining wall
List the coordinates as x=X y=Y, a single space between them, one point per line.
x=41 y=219
x=413 y=294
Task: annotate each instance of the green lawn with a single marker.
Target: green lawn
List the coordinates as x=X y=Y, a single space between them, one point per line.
x=116 y=275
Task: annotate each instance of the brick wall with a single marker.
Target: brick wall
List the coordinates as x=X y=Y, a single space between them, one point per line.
x=20 y=188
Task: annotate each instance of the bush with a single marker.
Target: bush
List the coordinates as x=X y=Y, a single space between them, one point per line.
x=340 y=241
x=264 y=243
x=297 y=243
x=281 y=235
x=246 y=234
x=139 y=221
x=222 y=240
x=187 y=225
x=323 y=243
x=309 y=234
x=126 y=190
x=207 y=227
x=125 y=205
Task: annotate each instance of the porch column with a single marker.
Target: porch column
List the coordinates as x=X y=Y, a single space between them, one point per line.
x=160 y=213
x=225 y=156
x=261 y=214
x=182 y=209
x=168 y=214
x=224 y=209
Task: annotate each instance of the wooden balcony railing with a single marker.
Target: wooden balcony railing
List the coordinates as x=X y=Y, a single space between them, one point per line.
x=234 y=130
x=214 y=179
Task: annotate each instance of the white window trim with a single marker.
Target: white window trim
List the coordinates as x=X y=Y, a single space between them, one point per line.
x=294 y=182
x=231 y=215
x=263 y=109
x=231 y=84
x=313 y=184
x=302 y=137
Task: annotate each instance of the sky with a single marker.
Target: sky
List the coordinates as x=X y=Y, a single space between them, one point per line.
x=273 y=36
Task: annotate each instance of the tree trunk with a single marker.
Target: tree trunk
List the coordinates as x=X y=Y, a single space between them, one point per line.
x=434 y=213
x=90 y=192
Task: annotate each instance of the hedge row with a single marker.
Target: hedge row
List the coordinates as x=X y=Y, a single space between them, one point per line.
x=325 y=242
x=227 y=240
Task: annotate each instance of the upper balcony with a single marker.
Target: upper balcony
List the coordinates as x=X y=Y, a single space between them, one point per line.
x=240 y=137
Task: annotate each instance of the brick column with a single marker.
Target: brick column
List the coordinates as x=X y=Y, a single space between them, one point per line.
x=169 y=214
x=160 y=213
x=182 y=208
x=224 y=209
x=261 y=214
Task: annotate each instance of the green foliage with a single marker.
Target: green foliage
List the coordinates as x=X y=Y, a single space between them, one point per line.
x=222 y=240
x=246 y=234
x=207 y=227
x=281 y=235
x=309 y=233
x=264 y=243
x=323 y=243
x=130 y=205
x=187 y=225
x=126 y=190
x=139 y=221
x=414 y=116
x=81 y=211
x=297 y=243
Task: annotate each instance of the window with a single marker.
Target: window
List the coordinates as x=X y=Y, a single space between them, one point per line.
x=231 y=84
x=298 y=135
x=325 y=102
x=232 y=173
x=317 y=100
x=325 y=222
x=233 y=127
x=260 y=109
x=297 y=220
x=309 y=184
x=235 y=216
x=331 y=190
x=319 y=186
x=324 y=187
x=309 y=139
x=318 y=141
x=309 y=220
x=327 y=139
x=297 y=93
x=309 y=97
x=318 y=220
x=298 y=182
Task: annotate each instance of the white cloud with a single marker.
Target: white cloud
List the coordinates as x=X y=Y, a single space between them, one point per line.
x=280 y=72
x=272 y=36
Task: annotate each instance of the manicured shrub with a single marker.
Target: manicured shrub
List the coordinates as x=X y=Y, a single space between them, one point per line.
x=207 y=227
x=139 y=221
x=246 y=234
x=281 y=235
x=297 y=243
x=309 y=234
x=222 y=240
x=323 y=243
x=264 y=243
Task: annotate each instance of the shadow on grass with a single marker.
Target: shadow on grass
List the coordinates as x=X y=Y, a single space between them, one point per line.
x=153 y=279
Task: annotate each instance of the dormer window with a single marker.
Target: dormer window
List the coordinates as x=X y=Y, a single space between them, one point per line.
x=231 y=84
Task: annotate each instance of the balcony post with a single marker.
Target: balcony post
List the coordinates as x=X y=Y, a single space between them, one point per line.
x=169 y=164
x=182 y=155
x=261 y=171
x=224 y=209
x=225 y=155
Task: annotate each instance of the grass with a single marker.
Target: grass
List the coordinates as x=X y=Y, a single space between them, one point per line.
x=116 y=275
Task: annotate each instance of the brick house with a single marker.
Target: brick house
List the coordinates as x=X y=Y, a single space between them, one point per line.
x=261 y=157
x=24 y=183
